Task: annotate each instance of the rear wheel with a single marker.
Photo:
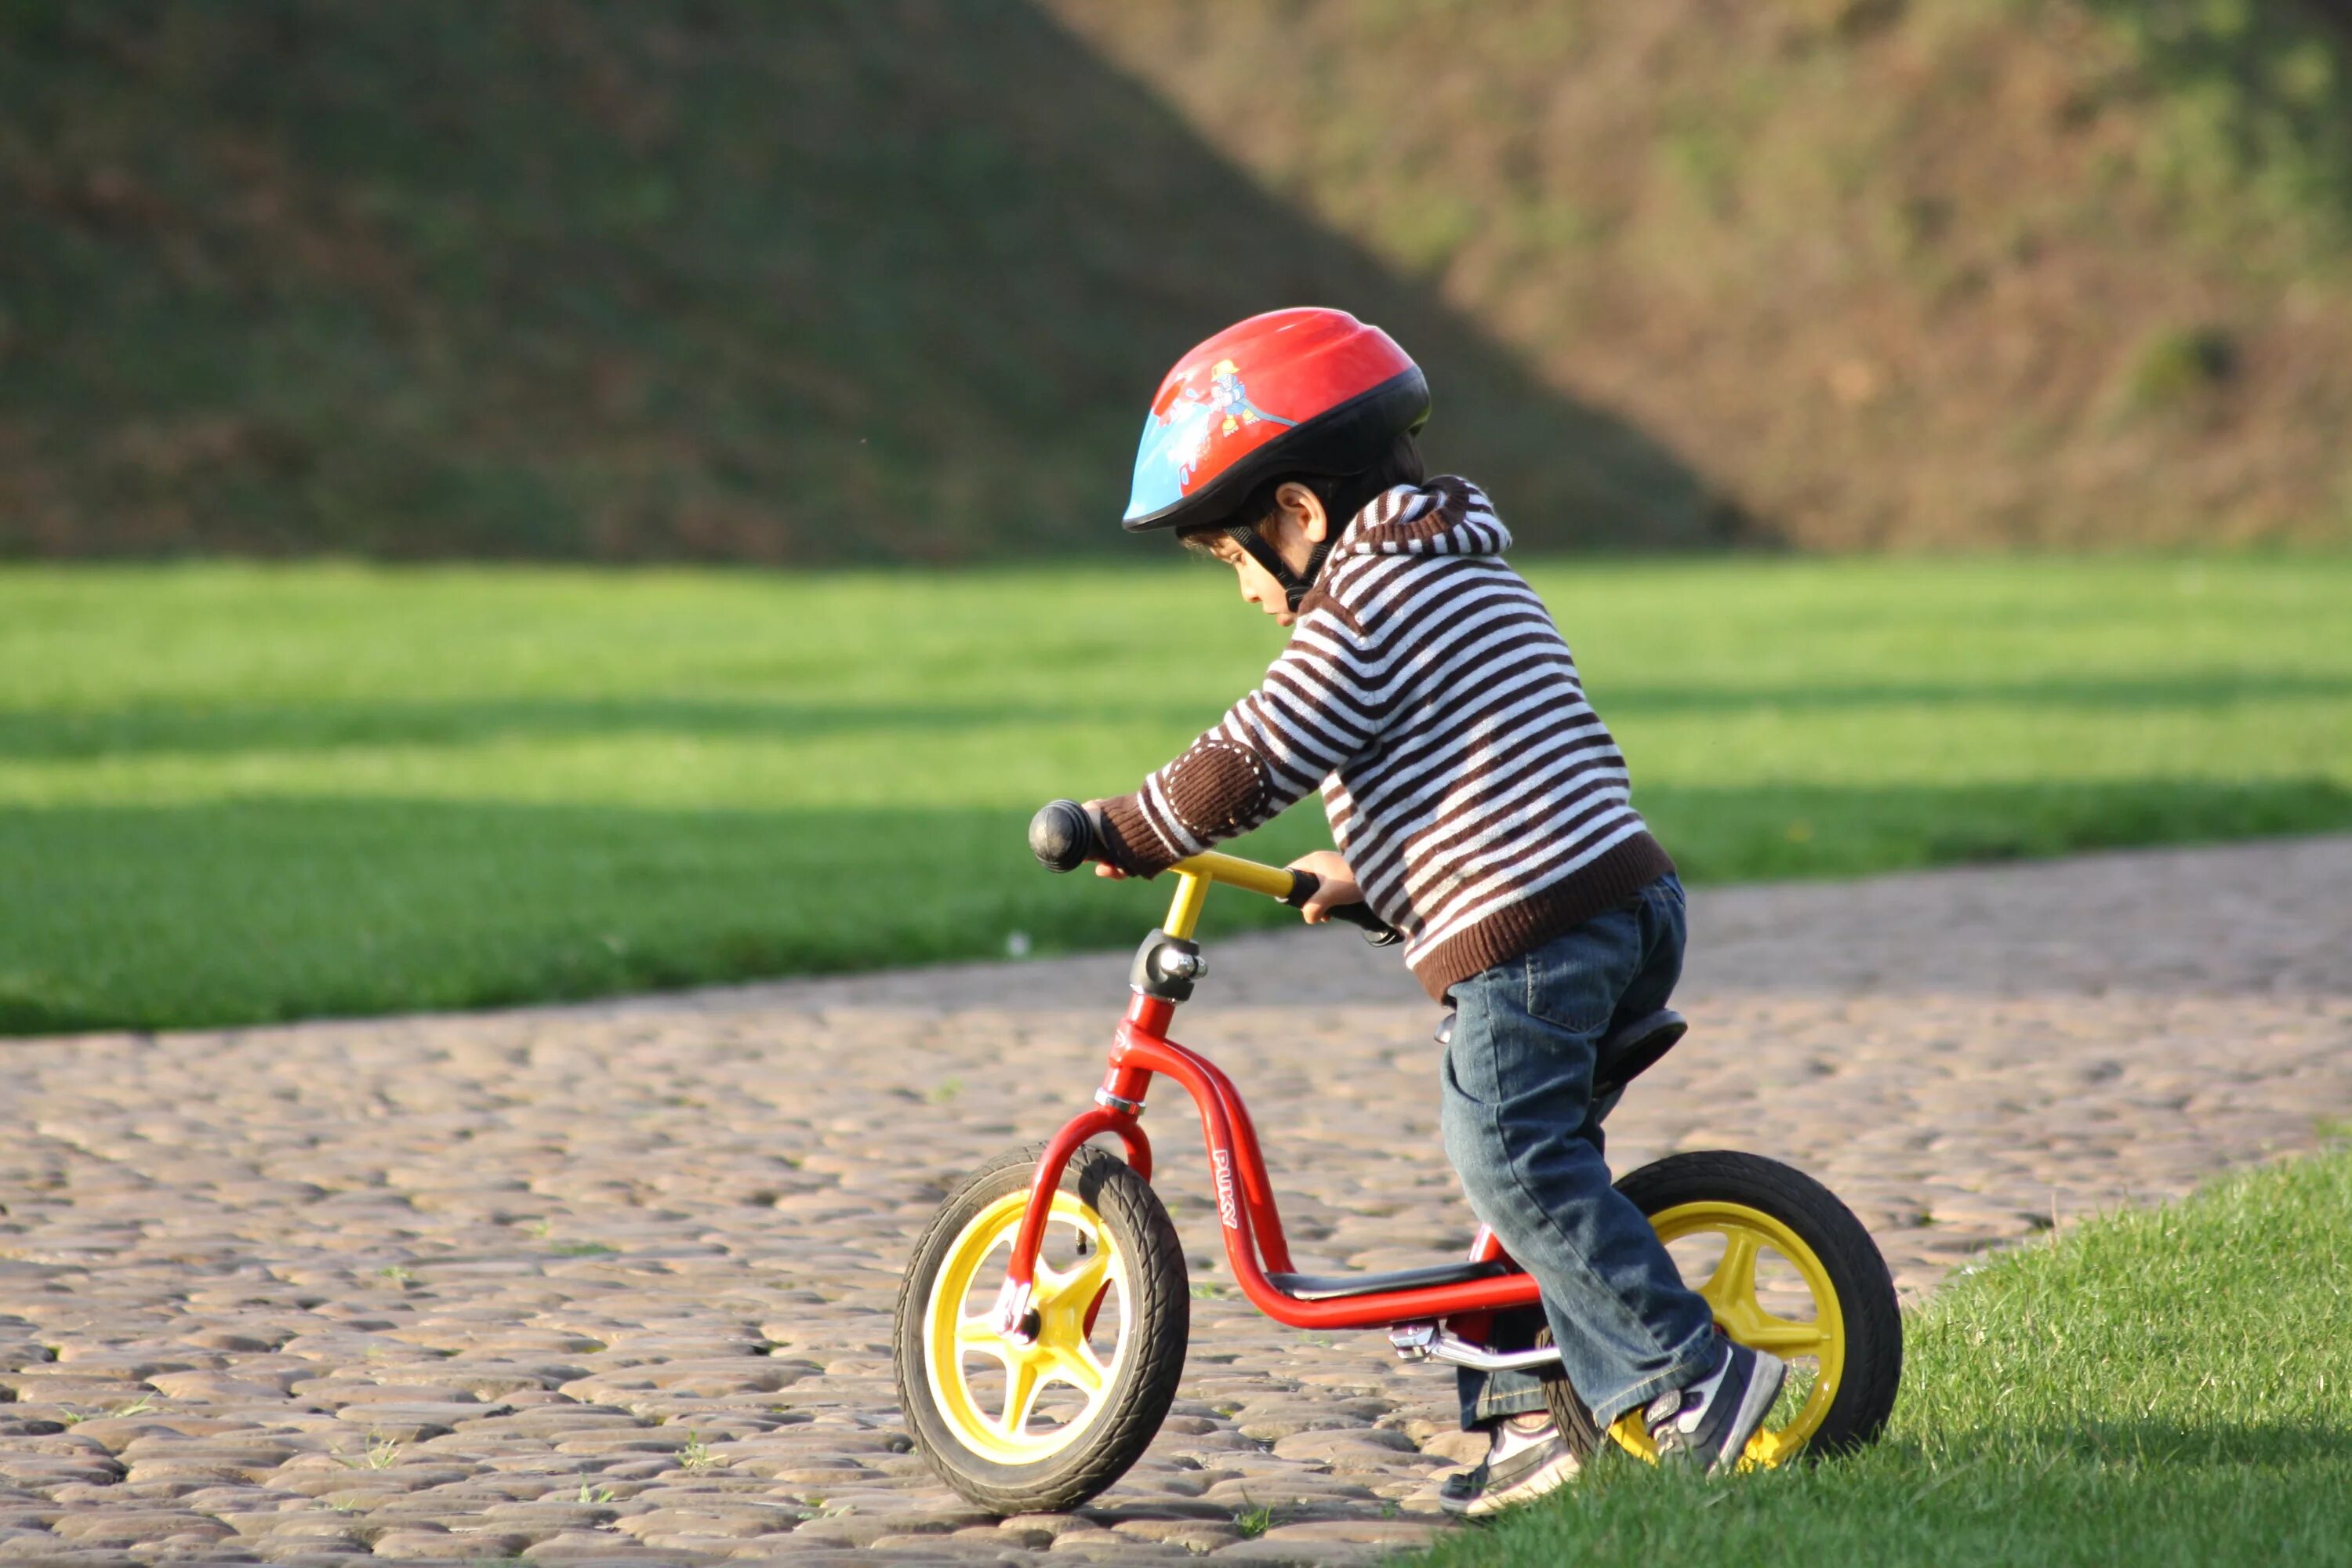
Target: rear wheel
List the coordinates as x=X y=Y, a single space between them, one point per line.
x=1786 y=1268
x=1039 y=1428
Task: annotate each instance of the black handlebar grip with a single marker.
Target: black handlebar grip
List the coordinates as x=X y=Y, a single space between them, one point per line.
x=1062 y=836
x=1305 y=885
x=1376 y=931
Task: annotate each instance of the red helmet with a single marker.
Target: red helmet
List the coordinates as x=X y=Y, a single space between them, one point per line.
x=1304 y=391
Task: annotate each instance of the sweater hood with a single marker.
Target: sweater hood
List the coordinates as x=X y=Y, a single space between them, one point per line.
x=1447 y=516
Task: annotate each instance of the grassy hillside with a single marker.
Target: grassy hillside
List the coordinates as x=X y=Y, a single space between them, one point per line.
x=235 y=792
x=865 y=279
x=1917 y=271
x=891 y=279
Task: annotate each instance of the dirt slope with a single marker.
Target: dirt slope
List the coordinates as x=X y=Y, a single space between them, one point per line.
x=1946 y=272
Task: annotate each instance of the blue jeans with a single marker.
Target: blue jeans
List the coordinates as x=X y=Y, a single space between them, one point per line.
x=1525 y=1136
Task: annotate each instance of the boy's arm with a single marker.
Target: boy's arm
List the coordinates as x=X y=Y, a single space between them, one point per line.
x=1314 y=711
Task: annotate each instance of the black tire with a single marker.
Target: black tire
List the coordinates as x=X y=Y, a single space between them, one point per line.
x=1857 y=1276
x=1569 y=1414
x=1149 y=1358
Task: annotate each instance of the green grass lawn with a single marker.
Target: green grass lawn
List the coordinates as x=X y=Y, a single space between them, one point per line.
x=2161 y=1386
x=233 y=794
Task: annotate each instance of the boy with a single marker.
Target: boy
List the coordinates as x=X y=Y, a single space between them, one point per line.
x=1480 y=806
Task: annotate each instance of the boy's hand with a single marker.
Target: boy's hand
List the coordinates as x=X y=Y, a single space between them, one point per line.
x=1338 y=885
x=1103 y=868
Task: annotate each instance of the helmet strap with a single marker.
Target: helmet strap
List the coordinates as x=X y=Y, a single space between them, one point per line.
x=1295 y=585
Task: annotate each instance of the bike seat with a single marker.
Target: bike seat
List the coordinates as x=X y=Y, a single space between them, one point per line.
x=1625 y=1055
x=1332 y=1287
x=1635 y=1049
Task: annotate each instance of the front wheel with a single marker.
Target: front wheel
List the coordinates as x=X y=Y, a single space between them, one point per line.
x=1788 y=1268
x=1041 y=1428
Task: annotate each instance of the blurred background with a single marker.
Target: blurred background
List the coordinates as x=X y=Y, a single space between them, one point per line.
x=540 y=499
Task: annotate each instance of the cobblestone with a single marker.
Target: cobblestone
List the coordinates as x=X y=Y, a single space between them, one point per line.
x=611 y=1283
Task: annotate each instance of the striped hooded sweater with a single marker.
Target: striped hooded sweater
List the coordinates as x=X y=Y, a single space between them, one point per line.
x=1471 y=787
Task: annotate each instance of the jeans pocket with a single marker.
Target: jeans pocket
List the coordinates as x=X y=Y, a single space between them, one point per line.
x=1472 y=1068
x=1575 y=981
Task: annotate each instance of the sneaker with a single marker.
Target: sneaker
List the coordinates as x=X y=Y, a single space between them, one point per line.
x=1707 y=1424
x=1526 y=1457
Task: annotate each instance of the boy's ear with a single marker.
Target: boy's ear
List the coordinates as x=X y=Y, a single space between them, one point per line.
x=1305 y=509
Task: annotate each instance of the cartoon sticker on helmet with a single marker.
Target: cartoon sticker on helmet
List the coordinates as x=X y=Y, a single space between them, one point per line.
x=1228 y=397
x=1175 y=441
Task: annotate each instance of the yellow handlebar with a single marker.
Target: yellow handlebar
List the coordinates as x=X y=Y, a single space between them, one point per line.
x=1064 y=835
x=1274 y=882
x=1195 y=874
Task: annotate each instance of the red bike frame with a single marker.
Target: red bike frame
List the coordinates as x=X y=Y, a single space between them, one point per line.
x=1246 y=1207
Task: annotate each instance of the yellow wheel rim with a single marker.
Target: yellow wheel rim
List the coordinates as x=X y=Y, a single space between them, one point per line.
x=1730 y=1291
x=954 y=1334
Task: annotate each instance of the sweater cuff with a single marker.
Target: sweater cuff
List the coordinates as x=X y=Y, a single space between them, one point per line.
x=1134 y=848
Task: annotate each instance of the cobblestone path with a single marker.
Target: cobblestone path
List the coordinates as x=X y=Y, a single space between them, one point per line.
x=614 y=1282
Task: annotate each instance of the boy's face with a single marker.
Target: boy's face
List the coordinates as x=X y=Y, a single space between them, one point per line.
x=1294 y=527
x=1257 y=584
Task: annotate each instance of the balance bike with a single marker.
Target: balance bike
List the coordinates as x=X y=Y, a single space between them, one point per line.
x=1043 y=1319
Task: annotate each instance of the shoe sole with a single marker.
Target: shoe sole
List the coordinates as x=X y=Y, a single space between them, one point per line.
x=1755 y=1402
x=1549 y=1477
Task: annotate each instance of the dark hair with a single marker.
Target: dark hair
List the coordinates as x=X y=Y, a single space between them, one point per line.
x=1342 y=494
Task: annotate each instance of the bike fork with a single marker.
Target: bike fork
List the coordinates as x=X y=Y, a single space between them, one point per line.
x=1119 y=1105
